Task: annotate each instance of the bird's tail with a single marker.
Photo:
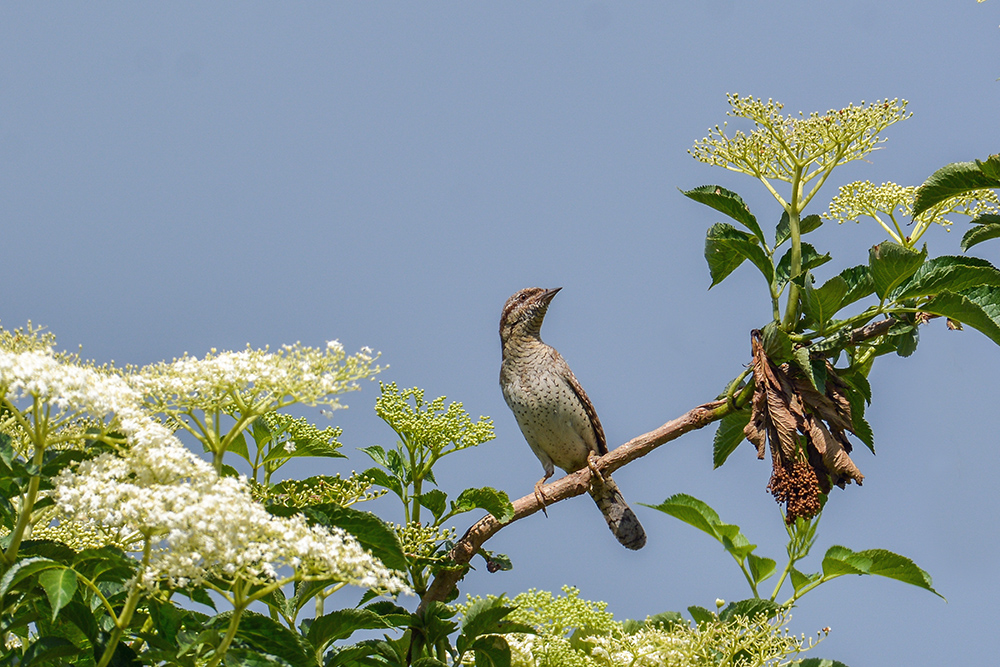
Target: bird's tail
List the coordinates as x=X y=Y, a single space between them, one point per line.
x=621 y=520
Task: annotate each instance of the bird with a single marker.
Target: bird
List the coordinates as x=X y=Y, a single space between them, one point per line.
x=553 y=411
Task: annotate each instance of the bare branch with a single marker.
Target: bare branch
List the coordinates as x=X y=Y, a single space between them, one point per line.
x=573 y=484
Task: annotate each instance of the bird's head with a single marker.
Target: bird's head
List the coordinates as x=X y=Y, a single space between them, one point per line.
x=524 y=311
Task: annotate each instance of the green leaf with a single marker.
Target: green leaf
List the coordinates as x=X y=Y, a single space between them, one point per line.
x=341 y=624
x=371 y=531
x=859 y=284
x=750 y=609
x=45 y=649
x=760 y=567
x=979 y=308
x=376 y=454
x=822 y=303
x=306 y=447
x=807 y=224
x=697 y=513
x=953 y=274
x=491 y=651
x=436 y=501
x=777 y=344
x=727 y=247
x=270 y=637
x=819 y=662
x=862 y=429
x=239 y=446
x=729 y=203
x=840 y=560
x=987 y=227
x=381 y=478
x=701 y=615
x=891 y=264
x=729 y=435
x=59 y=585
x=23 y=569
x=800 y=580
x=810 y=260
x=955 y=179
x=242 y=657
x=495 y=502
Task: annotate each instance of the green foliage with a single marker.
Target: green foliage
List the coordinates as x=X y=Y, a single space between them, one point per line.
x=427 y=431
x=565 y=630
x=837 y=562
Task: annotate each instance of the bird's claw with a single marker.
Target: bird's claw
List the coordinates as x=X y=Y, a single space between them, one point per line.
x=592 y=464
x=539 y=496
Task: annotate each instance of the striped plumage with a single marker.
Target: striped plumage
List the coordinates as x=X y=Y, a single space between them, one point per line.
x=554 y=413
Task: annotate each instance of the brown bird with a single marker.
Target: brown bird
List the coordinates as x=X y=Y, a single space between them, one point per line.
x=554 y=413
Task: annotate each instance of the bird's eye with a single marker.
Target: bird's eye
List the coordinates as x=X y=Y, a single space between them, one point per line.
x=522 y=297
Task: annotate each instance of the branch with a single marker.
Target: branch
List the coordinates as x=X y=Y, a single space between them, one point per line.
x=574 y=484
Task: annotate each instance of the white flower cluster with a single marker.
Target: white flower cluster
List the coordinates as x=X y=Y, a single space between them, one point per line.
x=294 y=373
x=201 y=525
x=69 y=388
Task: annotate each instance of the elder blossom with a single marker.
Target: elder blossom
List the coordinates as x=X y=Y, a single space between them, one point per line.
x=266 y=379
x=71 y=389
x=200 y=525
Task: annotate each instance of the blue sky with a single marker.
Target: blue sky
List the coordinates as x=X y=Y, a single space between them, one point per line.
x=176 y=177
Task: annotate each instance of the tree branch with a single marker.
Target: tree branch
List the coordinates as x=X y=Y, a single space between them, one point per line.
x=574 y=484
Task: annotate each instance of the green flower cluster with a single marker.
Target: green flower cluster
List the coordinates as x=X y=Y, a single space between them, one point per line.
x=572 y=632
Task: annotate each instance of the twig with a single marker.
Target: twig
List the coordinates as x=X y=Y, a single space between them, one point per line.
x=574 y=484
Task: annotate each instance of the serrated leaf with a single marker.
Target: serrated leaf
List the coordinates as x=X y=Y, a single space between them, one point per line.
x=891 y=264
x=493 y=501
x=60 y=586
x=987 y=227
x=491 y=651
x=305 y=447
x=801 y=358
x=436 y=501
x=810 y=260
x=270 y=637
x=783 y=231
x=955 y=179
x=727 y=247
x=380 y=477
x=23 y=569
x=697 y=513
x=750 y=609
x=819 y=662
x=948 y=273
x=979 y=308
x=691 y=511
x=859 y=284
x=701 y=615
x=341 y=624
x=728 y=203
x=371 y=531
x=760 y=567
x=729 y=435
x=777 y=344
x=242 y=657
x=862 y=429
x=840 y=560
x=800 y=580
x=45 y=649
x=822 y=303
x=238 y=446
x=376 y=454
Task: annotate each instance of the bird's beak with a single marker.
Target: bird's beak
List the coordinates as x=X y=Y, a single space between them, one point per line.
x=549 y=293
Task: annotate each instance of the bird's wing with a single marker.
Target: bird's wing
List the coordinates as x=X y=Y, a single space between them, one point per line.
x=602 y=442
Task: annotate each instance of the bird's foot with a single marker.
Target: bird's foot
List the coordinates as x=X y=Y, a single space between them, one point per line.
x=592 y=464
x=539 y=496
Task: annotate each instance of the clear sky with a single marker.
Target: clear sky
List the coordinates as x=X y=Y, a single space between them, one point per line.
x=176 y=177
